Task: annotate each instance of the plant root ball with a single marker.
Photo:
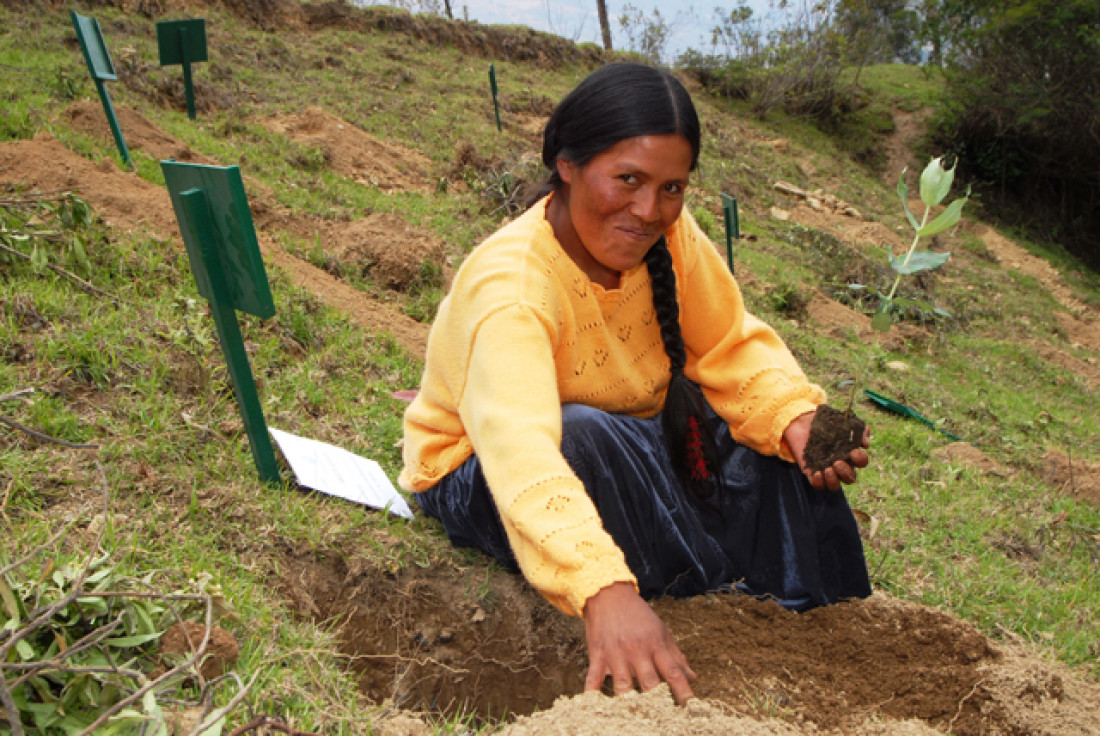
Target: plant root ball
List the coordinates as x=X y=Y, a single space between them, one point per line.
x=833 y=436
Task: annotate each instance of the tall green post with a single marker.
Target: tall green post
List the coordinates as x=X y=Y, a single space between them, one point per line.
x=183 y=42
x=217 y=230
x=90 y=37
x=493 y=87
x=733 y=226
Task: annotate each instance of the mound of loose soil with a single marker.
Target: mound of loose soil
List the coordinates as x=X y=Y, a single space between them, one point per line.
x=354 y=153
x=444 y=640
x=88 y=117
x=833 y=318
x=1074 y=477
x=368 y=244
x=129 y=203
x=964 y=453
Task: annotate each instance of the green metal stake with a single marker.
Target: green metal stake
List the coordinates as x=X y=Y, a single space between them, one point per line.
x=100 y=68
x=198 y=214
x=183 y=42
x=733 y=226
x=112 y=120
x=493 y=86
x=188 y=90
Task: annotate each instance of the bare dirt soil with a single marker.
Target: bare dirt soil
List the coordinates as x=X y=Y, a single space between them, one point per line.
x=433 y=640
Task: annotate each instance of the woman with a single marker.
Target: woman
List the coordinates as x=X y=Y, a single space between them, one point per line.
x=598 y=410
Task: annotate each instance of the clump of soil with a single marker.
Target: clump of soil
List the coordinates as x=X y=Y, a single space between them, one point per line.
x=833 y=436
x=181 y=641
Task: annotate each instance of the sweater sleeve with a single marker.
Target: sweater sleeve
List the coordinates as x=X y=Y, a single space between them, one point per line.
x=747 y=372
x=511 y=409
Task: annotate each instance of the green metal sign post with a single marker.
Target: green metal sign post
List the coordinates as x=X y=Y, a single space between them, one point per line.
x=216 y=224
x=183 y=42
x=101 y=70
x=733 y=226
x=493 y=87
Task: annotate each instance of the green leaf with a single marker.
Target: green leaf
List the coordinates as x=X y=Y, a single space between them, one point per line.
x=215 y=728
x=882 y=320
x=96 y=606
x=903 y=192
x=946 y=219
x=12 y=609
x=921 y=260
x=133 y=641
x=144 y=624
x=38 y=259
x=935 y=182
x=25 y=650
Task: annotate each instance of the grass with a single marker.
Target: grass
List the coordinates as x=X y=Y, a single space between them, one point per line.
x=144 y=379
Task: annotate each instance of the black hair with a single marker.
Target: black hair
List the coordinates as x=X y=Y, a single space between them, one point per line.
x=616 y=102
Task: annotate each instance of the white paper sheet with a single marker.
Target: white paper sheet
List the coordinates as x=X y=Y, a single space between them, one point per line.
x=337 y=472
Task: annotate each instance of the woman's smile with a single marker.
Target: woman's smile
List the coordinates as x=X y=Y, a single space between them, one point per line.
x=611 y=210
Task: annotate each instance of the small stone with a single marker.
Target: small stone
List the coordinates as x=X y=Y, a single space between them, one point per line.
x=897 y=366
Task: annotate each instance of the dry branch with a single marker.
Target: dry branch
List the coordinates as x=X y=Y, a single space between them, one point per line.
x=45 y=437
x=84 y=285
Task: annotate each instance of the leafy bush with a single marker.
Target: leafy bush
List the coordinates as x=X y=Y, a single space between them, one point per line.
x=795 y=67
x=1023 y=113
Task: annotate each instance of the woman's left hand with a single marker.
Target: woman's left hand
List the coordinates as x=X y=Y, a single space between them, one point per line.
x=797 y=435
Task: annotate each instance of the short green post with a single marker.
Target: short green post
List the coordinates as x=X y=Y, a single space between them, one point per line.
x=90 y=37
x=183 y=42
x=493 y=87
x=733 y=226
x=217 y=230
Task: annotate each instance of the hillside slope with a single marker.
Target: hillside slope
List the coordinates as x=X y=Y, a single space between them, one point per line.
x=373 y=164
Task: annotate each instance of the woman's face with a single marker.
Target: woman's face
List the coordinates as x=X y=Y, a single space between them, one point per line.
x=610 y=211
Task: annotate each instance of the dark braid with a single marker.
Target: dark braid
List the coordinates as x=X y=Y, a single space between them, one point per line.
x=616 y=102
x=691 y=447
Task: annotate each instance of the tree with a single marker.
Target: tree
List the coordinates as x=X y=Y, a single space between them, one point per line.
x=1023 y=112
x=645 y=36
x=879 y=31
x=605 y=23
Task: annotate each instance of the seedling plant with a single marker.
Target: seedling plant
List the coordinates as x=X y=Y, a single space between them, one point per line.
x=834 y=433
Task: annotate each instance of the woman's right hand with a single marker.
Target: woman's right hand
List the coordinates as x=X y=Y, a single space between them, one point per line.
x=629 y=642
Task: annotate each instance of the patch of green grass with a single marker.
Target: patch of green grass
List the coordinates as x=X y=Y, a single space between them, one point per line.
x=906 y=86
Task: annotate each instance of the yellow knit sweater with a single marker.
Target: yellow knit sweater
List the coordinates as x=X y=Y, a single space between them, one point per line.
x=523 y=331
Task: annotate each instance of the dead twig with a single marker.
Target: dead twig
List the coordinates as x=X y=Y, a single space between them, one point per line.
x=6 y=698
x=148 y=686
x=16 y=395
x=208 y=720
x=45 y=437
x=81 y=283
x=41 y=616
x=962 y=702
x=265 y=722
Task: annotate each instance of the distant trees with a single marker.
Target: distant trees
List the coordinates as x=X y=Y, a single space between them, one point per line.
x=1022 y=110
x=879 y=31
x=795 y=65
x=645 y=35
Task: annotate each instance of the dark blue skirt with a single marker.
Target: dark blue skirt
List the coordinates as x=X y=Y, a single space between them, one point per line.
x=767 y=532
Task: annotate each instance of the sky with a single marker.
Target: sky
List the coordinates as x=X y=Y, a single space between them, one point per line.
x=691 y=20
